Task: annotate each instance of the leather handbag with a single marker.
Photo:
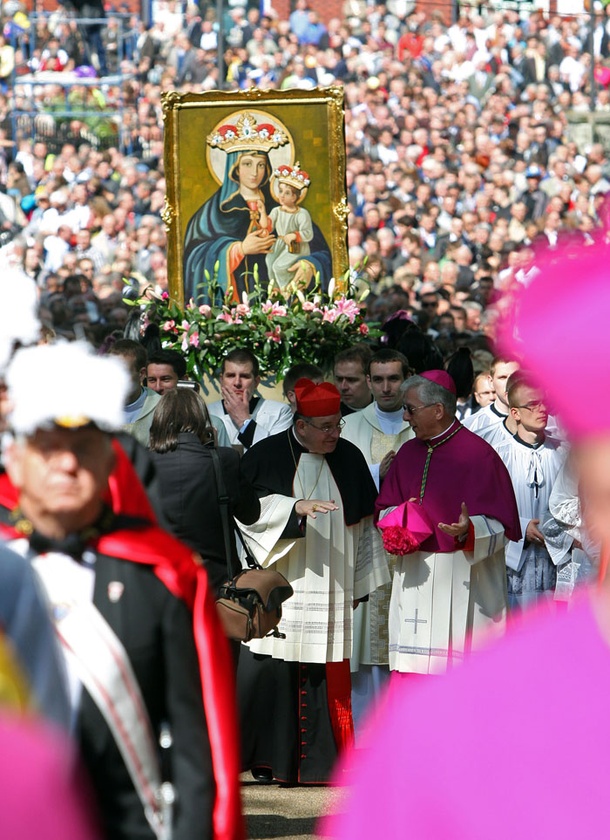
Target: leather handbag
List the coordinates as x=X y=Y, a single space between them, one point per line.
x=250 y=603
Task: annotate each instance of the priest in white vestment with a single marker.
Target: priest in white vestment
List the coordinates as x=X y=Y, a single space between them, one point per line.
x=379 y=430
x=316 y=528
x=449 y=586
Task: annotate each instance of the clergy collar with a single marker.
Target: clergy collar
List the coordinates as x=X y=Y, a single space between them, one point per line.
x=251 y=406
x=397 y=414
x=529 y=445
x=433 y=441
x=495 y=411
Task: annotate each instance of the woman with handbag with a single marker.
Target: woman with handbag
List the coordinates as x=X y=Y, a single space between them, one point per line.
x=181 y=442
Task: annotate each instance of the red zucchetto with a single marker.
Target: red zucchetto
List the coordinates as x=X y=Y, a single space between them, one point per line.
x=316 y=400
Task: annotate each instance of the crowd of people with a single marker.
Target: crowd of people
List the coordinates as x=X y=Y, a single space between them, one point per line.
x=459 y=151
x=416 y=496
x=391 y=519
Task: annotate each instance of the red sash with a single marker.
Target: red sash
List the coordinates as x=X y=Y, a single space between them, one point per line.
x=175 y=565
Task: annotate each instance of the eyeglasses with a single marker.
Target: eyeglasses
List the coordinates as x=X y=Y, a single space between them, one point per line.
x=328 y=429
x=413 y=409
x=534 y=405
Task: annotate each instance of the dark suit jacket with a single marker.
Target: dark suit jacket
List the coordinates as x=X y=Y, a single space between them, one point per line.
x=155 y=628
x=187 y=495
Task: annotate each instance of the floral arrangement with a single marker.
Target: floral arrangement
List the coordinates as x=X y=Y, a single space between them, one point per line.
x=281 y=327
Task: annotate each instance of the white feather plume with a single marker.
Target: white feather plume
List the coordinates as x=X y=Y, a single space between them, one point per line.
x=65 y=381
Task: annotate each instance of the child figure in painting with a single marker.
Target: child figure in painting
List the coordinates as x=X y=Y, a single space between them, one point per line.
x=292 y=223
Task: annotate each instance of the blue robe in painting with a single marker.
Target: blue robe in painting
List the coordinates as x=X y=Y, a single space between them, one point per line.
x=223 y=220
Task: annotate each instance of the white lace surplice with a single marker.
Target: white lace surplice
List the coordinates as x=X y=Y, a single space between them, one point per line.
x=328 y=568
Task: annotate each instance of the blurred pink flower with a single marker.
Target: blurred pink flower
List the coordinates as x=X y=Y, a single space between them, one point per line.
x=205 y=310
x=347 y=307
x=274 y=309
x=276 y=335
x=169 y=326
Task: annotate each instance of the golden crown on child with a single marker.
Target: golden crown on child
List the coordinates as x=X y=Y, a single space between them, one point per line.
x=247 y=135
x=292 y=175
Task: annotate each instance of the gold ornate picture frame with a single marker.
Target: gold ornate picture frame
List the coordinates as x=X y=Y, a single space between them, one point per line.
x=255 y=189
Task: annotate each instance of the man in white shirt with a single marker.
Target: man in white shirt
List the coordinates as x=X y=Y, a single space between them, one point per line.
x=495 y=412
x=533 y=461
x=140 y=401
x=247 y=418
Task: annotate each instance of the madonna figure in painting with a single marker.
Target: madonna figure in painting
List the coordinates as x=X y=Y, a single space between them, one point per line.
x=231 y=233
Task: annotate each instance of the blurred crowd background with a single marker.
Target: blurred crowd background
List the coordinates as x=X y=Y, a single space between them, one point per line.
x=474 y=133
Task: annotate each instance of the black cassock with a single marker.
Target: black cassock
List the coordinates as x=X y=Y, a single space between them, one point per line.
x=285 y=707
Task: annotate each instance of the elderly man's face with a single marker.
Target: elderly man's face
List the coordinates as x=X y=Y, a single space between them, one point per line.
x=425 y=418
x=320 y=434
x=61 y=475
x=483 y=390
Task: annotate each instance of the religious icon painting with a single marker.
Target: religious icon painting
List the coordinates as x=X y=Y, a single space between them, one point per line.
x=255 y=191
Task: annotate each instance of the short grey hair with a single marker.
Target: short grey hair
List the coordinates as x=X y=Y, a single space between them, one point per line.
x=430 y=393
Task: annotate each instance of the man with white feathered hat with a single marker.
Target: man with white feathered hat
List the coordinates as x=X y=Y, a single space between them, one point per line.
x=120 y=590
x=24 y=623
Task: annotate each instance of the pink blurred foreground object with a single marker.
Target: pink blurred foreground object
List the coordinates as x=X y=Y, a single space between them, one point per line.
x=41 y=790
x=514 y=744
x=562 y=335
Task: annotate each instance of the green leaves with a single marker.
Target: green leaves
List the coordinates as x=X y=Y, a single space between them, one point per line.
x=280 y=326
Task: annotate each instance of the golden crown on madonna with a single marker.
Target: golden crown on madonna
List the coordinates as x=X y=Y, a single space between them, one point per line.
x=247 y=135
x=292 y=175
